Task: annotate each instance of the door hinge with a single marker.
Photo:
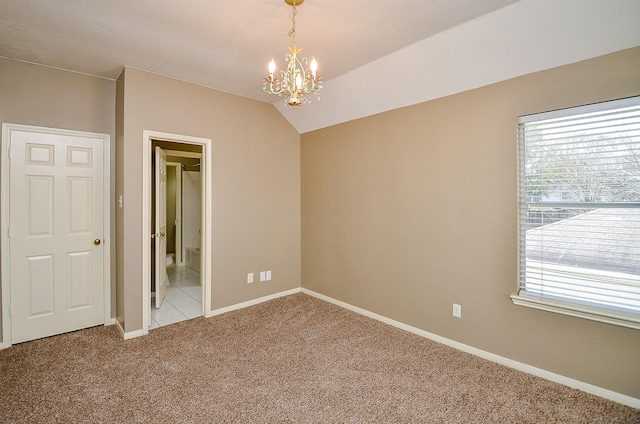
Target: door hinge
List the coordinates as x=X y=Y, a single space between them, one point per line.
x=9 y=152
x=9 y=232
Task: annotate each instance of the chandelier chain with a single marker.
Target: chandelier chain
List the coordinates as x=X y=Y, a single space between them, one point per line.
x=292 y=31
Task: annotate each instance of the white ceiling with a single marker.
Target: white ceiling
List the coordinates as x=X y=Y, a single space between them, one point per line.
x=374 y=55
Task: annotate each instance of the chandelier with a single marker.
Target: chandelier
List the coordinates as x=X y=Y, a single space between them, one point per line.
x=299 y=80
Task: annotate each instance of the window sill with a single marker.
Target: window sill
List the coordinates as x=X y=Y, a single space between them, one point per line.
x=579 y=311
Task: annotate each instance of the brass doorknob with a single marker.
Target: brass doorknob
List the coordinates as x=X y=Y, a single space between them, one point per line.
x=96 y=242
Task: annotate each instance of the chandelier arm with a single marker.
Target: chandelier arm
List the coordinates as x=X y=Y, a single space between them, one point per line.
x=272 y=81
x=307 y=77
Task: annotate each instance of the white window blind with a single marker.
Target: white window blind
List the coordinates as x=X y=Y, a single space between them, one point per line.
x=579 y=223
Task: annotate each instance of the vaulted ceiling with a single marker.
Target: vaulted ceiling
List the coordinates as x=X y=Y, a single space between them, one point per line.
x=374 y=55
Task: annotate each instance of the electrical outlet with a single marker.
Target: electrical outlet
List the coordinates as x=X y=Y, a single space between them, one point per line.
x=269 y=275
x=250 y=278
x=457 y=310
x=262 y=276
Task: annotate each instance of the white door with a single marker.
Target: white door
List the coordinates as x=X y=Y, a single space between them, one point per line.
x=56 y=213
x=161 y=225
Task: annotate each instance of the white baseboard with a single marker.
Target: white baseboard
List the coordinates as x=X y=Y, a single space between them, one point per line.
x=130 y=334
x=576 y=384
x=133 y=334
x=252 y=302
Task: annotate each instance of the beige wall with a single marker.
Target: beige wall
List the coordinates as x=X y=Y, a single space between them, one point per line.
x=407 y=212
x=47 y=97
x=256 y=186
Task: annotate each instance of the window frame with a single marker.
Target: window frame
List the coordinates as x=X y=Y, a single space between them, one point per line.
x=609 y=316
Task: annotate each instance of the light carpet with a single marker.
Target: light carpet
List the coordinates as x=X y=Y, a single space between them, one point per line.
x=295 y=359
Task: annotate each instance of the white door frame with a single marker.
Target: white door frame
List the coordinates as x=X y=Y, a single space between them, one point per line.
x=5 y=277
x=207 y=217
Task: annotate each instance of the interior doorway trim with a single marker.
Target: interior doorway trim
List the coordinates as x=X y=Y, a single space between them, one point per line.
x=5 y=277
x=206 y=170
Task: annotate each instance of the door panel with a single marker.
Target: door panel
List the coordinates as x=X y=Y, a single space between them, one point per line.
x=79 y=198
x=79 y=278
x=56 y=219
x=40 y=285
x=39 y=206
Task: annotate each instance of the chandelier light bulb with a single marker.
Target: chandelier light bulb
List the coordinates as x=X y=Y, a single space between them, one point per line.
x=314 y=67
x=272 y=67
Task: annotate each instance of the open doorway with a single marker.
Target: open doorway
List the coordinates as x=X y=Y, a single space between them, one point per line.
x=176 y=279
x=176 y=274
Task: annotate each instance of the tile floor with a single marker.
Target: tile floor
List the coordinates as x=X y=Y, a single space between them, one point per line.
x=183 y=300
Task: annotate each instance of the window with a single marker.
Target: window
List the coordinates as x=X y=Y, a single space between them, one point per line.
x=579 y=220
